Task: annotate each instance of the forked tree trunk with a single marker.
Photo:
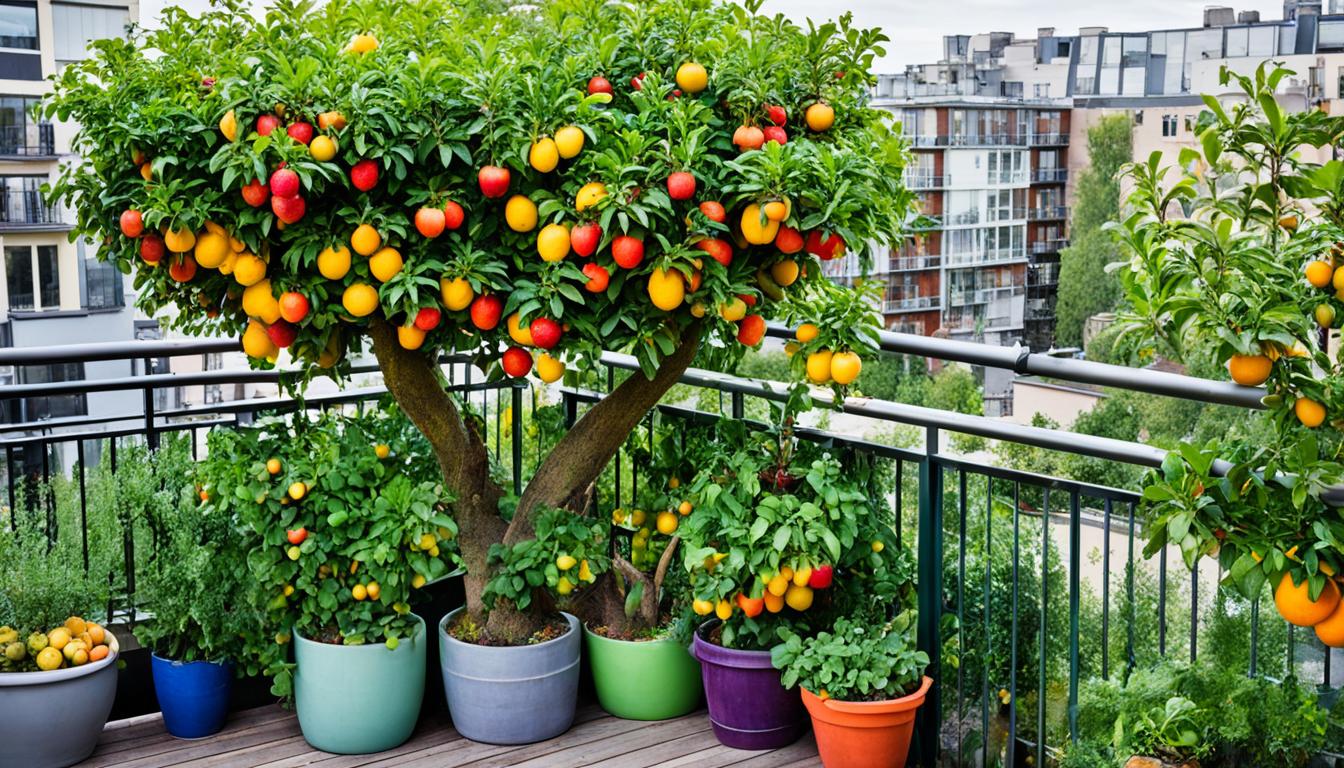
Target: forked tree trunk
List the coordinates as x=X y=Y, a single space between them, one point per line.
x=562 y=480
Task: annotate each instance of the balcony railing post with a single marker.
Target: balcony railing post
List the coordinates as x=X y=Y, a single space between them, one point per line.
x=151 y=433
x=516 y=433
x=930 y=592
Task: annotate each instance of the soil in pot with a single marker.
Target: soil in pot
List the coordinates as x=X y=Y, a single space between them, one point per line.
x=642 y=678
x=865 y=734
x=748 y=706
x=53 y=719
x=358 y=699
x=193 y=695
x=511 y=694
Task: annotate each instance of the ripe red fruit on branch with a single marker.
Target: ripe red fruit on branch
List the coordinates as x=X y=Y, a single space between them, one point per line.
x=284 y=183
x=584 y=238
x=827 y=248
x=627 y=251
x=714 y=211
x=427 y=319
x=485 y=311
x=598 y=277
x=545 y=332
x=430 y=222
x=637 y=82
x=516 y=362
x=182 y=269
x=301 y=132
x=494 y=181
x=776 y=134
x=788 y=240
x=282 y=333
x=776 y=114
x=750 y=330
x=266 y=124
x=453 y=215
x=132 y=225
x=296 y=536
x=718 y=250
x=255 y=193
x=821 y=577
x=748 y=137
x=751 y=607
x=599 y=84
x=363 y=175
x=681 y=185
x=293 y=306
x=151 y=248
x=288 y=209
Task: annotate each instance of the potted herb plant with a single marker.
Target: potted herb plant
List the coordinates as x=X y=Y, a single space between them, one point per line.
x=861 y=682
x=767 y=561
x=342 y=530
x=1166 y=736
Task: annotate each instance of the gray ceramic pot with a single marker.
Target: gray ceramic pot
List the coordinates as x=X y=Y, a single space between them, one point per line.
x=513 y=695
x=53 y=719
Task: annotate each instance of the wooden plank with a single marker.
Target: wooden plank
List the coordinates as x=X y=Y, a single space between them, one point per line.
x=253 y=754
x=177 y=751
x=430 y=732
x=711 y=757
x=602 y=728
x=800 y=753
x=665 y=753
x=117 y=733
x=631 y=742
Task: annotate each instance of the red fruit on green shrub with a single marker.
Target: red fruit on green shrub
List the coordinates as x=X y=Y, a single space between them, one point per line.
x=453 y=215
x=788 y=239
x=776 y=114
x=363 y=175
x=288 y=209
x=486 y=310
x=284 y=183
x=821 y=577
x=132 y=225
x=599 y=84
x=825 y=248
x=151 y=248
x=427 y=319
x=776 y=134
x=301 y=132
x=494 y=181
x=255 y=193
x=282 y=333
x=598 y=277
x=516 y=362
x=584 y=238
x=266 y=124
x=681 y=185
x=750 y=330
x=718 y=249
x=627 y=251
x=545 y=332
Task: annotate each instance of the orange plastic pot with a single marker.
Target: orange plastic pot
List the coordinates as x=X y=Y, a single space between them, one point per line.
x=864 y=734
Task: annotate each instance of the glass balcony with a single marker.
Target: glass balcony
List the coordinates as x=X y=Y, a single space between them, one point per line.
x=1048 y=213
x=26 y=209
x=35 y=140
x=1050 y=175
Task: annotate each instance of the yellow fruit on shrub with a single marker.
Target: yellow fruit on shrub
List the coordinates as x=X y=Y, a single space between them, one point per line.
x=819 y=366
x=543 y=155
x=365 y=240
x=586 y=572
x=385 y=264
x=569 y=141
x=777 y=585
x=845 y=367
x=14 y=651
x=359 y=592
x=410 y=337
x=1309 y=412
x=806 y=332
x=228 y=125
x=417 y=581
x=702 y=607
x=801 y=576
x=1319 y=273
x=179 y=240
x=724 y=610
x=521 y=334
x=564 y=586
x=334 y=262
x=211 y=250
x=360 y=299
x=548 y=368
x=733 y=310
x=259 y=302
x=363 y=43
x=756 y=232
x=1250 y=370
x=667 y=523
x=457 y=294
x=256 y=342
x=49 y=659
x=373 y=590
x=784 y=273
x=692 y=77
x=799 y=598
x=323 y=149
x=773 y=603
x=520 y=214
x=667 y=289
x=248 y=269
x=1296 y=606
x=553 y=242
x=589 y=195
x=382 y=450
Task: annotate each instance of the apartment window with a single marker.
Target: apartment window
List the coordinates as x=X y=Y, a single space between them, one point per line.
x=1169 y=125
x=75 y=26
x=102 y=287
x=18 y=25
x=20 y=134
x=32 y=277
x=21 y=201
x=1042 y=90
x=54 y=406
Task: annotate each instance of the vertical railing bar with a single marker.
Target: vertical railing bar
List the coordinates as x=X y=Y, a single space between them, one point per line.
x=900 y=476
x=1045 y=624
x=1292 y=651
x=1075 y=587
x=52 y=532
x=1129 y=585
x=989 y=575
x=738 y=403
x=1106 y=590
x=929 y=566
x=9 y=480
x=1012 y=643
x=1194 y=613
x=1162 y=602
x=516 y=427
x=1255 y=634
x=961 y=604
x=83 y=507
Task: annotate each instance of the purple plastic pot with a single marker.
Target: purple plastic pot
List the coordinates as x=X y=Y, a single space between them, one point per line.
x=748 y=706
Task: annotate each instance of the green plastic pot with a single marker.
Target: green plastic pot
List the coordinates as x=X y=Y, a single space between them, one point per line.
x=358 y=699
x=643 y=680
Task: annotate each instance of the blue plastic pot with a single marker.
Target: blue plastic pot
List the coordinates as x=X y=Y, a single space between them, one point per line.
x=193 y=695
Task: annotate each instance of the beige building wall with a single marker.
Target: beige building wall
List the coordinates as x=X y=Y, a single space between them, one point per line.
x=1061 y=404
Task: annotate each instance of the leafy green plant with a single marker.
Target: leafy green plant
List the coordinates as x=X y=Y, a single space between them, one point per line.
x=1169 y=732
x=854 y=660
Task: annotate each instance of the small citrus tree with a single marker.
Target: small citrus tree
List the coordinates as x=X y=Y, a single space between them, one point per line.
x=526 y=184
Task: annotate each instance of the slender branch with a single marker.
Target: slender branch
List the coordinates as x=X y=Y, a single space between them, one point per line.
x=663 y=562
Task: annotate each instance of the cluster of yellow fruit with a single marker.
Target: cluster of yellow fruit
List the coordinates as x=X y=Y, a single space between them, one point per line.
x=666 y=523
x=825 y=366
x=788 y=587
x=565 y=563
x=73 y=644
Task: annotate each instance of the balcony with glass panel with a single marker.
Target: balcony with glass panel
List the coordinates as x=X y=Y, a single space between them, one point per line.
x=27 y=210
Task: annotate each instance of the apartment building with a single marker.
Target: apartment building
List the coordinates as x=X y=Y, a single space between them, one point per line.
x=52 y=290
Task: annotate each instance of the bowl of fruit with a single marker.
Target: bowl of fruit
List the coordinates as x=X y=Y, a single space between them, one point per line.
x=58 y=688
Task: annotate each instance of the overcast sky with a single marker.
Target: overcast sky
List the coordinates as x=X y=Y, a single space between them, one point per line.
x=916 y=27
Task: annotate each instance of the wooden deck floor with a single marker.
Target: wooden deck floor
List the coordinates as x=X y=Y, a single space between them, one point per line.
x=270 y=737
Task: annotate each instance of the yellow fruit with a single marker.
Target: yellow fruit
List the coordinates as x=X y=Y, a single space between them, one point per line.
x=777 y=585
x=179 y=240
x=801 y=576
x=784 y=273
x=819 y=117
x=1309 y=412
x=360 y=299
x=323 y=149
x=698 y=309
x=845 y=367
x=564 y=586
x=724 y=610
x=1296 y=606
x=776 y=210
x=374 y=590
x=548 y=368
x=427 y=541
x=211 y=250
x=334 y=262
x=520 y=214
x=667 y=289
x=410 y=337
x=273 y=466
x=878 y=546
x=417 y=581
x=790 y=348
x=256 y=342
x=1319 y=273
x=58 y=638
x=382 y=451
x=753 y=230
x=49 y=659
x=806 y=332
x=569 y=141
x=293 y=552
x=385 y=264
x=553 y=242
x=259 y=302
x=1250 y=370
x=248 y=269
x=667 y=523
x=692 y=77
x=543 y=156
x=1331 y=631
x=589 y=195
x=773 y=603
x=637 y=518
x=1325 y=315
x=799 y=598
x=702 y=607
x=226 y=267
x=819 y=366
x=365 y=240
x=586 y=572
x=297 y=490
x=363 y=43
x=685 y=508
x=618 y=516
x=521 y=334
x=734 y=310
x=456 y=293
x=228 y=125
x=288 y=590
x=359 y=591
x=15 y=651
x=565 y=562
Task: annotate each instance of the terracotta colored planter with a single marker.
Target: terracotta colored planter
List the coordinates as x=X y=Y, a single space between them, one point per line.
x=864 y=734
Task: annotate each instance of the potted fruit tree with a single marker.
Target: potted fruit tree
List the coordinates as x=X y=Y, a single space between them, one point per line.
x=419 y=178
x=861 y=682
x=342 y=528
x=784 y=539
x=1250 y=272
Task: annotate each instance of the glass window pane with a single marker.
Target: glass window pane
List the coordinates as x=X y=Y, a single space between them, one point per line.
x=1237 y=41
x=1261 y=42
x=1110 y=51
x=1330 y=35
x=19 y=276
x=18 y=25
x=74 y=26
x=48 y=277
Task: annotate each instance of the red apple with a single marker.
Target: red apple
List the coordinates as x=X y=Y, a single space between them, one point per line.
x=637 y=82
x=584 y=238
x=427 y=319
x=151 y=248
x=788 y=239
x=825 y=249
x=545 y=332
x=288 y=209
x=714 y=211
x=598 y=277
x=516 y=362
x=301 y=132
x=364 y=175
x=266 y=124
x=599 y=84
x=485 y=311
x=132 y=225
x=776 y=114
x=284 y=183
x=453 y=215
x=256 y=193
x=681 y=185
x=282 y=333
x=293 y=306
x=776 y=134
x=718 y=250
x=750 y=330
x=748 y=137
x=494 y=181
x=430 y=222
x=627 y=251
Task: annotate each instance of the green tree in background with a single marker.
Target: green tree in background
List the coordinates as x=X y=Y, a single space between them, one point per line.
x=1085 y=288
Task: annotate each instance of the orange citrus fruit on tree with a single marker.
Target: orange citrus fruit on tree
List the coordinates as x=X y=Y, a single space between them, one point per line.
x=385 y=264
x=548 y=368
x=1331 y=630
x=819 y=117
x=1309 y=412
x=520 y=333
x=273 y=466
x=819 y=366
x=667 y=523
x=260 y=302
x=784 y=273
x=211 y=250
x=410 y=337
x=323 y=149
x=798 y=597
x=553 y=242
x=520 y=214
x=179 y=240
x=734 y=310
x=692 y=77
x=753 y=230
x=256 y=342
x=363 y=43
x=365 y=240
x=806 y=332
x=543 y=155
x=569 y=141
x=360 y=299
x=667 y=289
x=845 y=367
x=1320 y=273
x=248 y=269
x=1250 y=370
x=334 y=262
x=589 y=195
x=456 y=293
x=1296 y=606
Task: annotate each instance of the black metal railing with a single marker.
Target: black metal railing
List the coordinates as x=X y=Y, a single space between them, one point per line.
x=1000 y=561
x=33 y=140
x=27 y=209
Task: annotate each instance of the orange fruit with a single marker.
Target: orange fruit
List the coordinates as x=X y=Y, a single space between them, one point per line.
x=99 y=652
x=360 y=299
x=1250 y=370
x=734 y=310
x=1309 y=412
x=543 y=155
x=692 y=77
x=410 y=337
x=667 y=289
x=753 y=230
x=365 y=240
x=211 y=250
x=548 y=368
x=845 y=367
x=776 y=210
x=569 y=141
x=1296 y=606
x=1331 y=630
x=520 y=333
x=456 y=293
x=1320 y=273
x=334 y=262
x=784 y=273
x=773 y=603
x=799 y=598
x=273 y=466
x=819 y=117
x=553 y=242
x=819 y=366
x=323 y=149
x=179 y=240
x=385 y=264
x=520 y=213
x=256 y=342
x=806 y=332
x=359 y=592
x=248 y=269
x=589 y=195
x=363 y=43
